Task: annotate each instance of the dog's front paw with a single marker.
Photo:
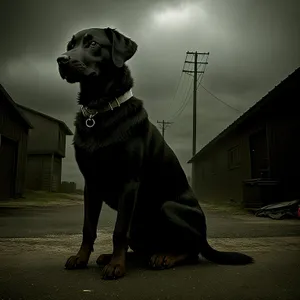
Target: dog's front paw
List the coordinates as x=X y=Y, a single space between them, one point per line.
x=80 y=260
x=76 y=262
x=113 y=271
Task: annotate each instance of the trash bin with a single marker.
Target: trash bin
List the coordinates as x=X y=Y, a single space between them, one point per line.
x=260 y=192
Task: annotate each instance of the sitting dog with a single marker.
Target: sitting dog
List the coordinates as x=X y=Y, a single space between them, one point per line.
x=127 y=164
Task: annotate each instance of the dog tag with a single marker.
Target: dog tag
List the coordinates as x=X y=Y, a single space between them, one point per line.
x=90 y=123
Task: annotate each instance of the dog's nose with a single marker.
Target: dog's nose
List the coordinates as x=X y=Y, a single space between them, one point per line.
x=63 y=59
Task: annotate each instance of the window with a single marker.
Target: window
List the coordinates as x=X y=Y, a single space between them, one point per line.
x=234 y=159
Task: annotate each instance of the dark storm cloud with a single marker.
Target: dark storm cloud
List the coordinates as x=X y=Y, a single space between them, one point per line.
x=253 y=45
x=34 y=26
x=262 y=48
x=40 y=30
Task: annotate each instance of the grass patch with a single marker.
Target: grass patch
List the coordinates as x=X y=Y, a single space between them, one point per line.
x=230 y=207
x=43 y=199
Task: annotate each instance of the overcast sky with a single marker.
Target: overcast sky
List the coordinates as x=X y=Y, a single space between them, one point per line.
x=253 y=45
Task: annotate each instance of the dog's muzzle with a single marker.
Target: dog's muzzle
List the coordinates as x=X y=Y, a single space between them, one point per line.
x=64 y=59
x=73 y=70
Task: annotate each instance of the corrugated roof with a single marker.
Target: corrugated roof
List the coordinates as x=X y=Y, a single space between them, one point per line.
x=295 y=76
x=64 y=126
x=15 y=107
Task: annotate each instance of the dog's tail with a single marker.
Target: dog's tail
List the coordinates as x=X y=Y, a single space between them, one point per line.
x=225 y=258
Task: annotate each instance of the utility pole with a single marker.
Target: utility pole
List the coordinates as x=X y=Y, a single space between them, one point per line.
x=164 y=125
x=195 y=72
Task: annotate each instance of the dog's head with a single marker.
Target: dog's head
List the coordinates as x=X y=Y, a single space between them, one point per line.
x=91 y=52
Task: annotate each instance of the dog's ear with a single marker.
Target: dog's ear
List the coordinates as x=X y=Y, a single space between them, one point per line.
x=123 y=48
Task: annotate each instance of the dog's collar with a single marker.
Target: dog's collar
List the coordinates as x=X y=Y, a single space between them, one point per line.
x=91 y=113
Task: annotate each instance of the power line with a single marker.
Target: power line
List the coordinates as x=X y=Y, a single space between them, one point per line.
x=187 y=90
x=205 y=65
x=228 y=105
x=187 y=94
x=180 y=78
x=187 y=98
x=185 y=102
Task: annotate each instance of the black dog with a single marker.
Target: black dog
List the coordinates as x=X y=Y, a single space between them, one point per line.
x=127 y=164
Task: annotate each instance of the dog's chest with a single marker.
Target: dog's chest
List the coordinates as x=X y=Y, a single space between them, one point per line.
x=109 y=166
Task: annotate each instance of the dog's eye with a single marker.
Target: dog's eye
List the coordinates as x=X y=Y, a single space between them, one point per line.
x=93 y=43
x=70 y=46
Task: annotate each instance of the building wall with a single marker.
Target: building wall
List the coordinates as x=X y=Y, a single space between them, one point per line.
x=13 y=129
x=61 y=148
x=285 y=156
x=218 y=174
x=56 y=179
x=35 y=166
x=46 y=147
x=283 y=129
x=8 y=167
x=44 y=172
x=214 y=180
x=44 y=136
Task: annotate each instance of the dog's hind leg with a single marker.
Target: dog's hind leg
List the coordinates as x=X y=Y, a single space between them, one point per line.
x=183 y=231
x=185 y=236
x=92 y=208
